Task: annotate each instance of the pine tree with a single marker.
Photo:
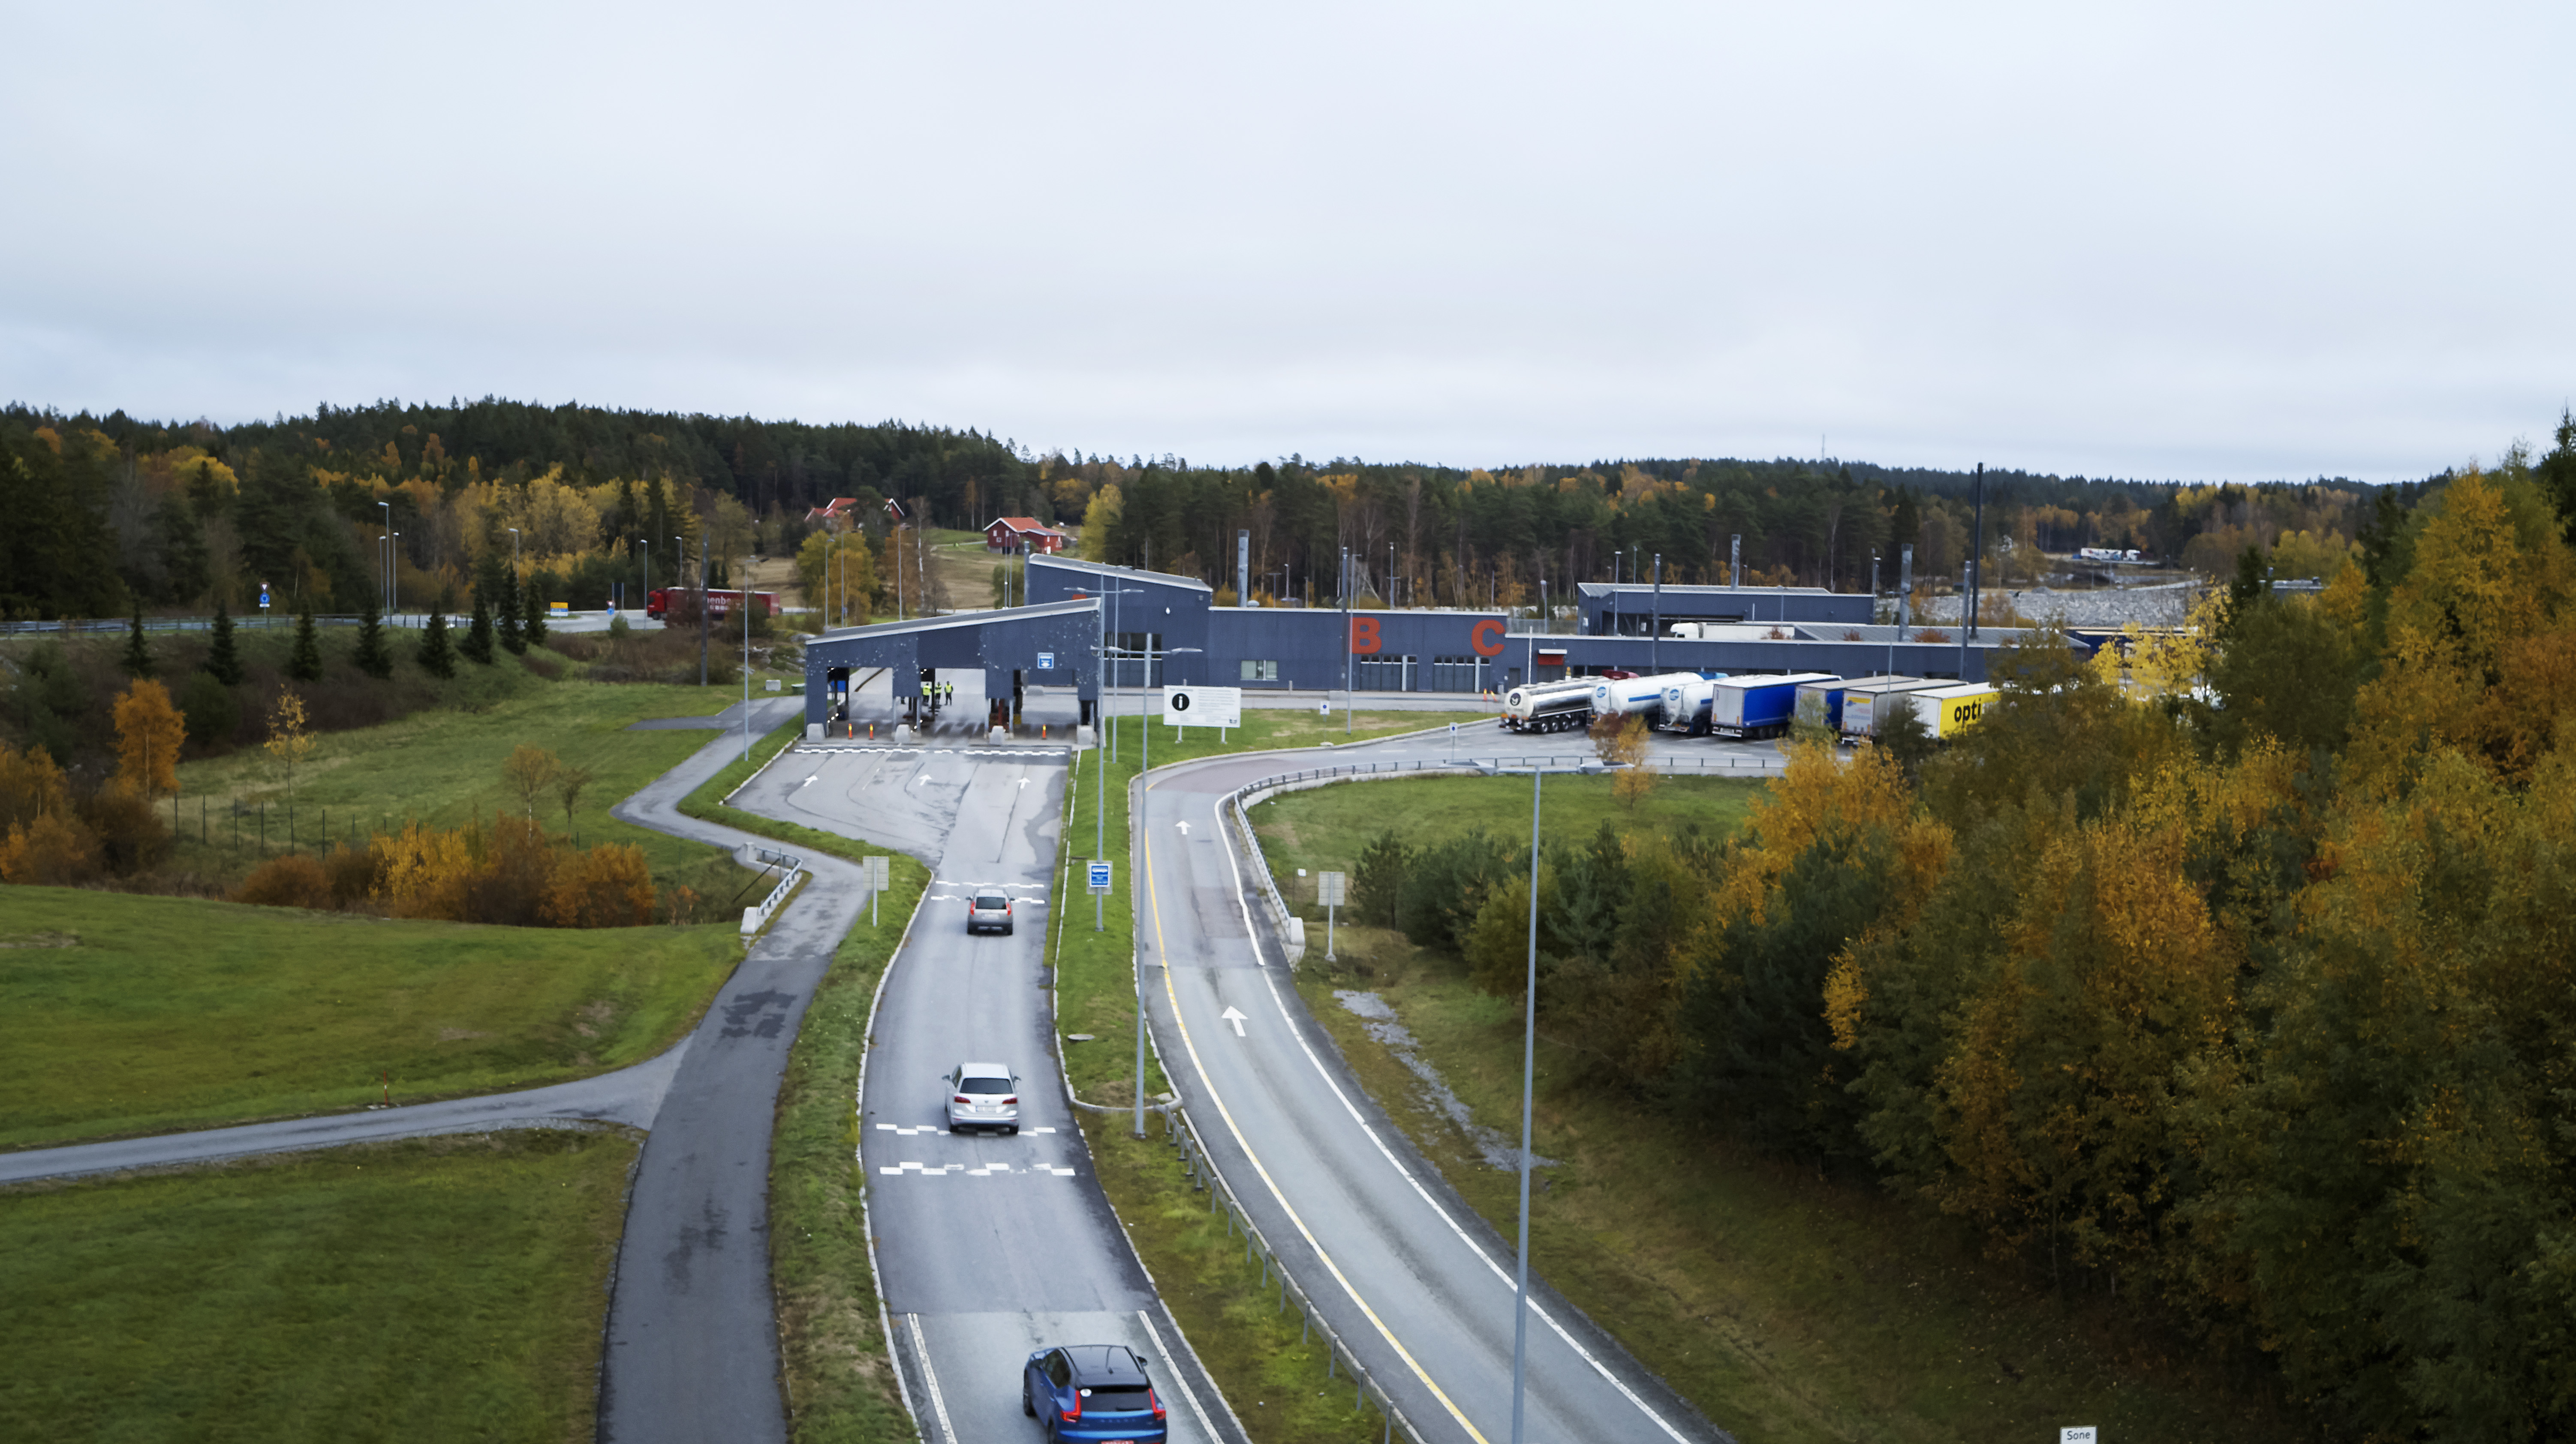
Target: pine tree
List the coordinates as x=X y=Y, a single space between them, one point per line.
x=137 y=660
x=505 y=614
x=533 y=629
x=373 y=657
x=304 y=663
x=223 y=662
x=478 y=638
x=437 y=656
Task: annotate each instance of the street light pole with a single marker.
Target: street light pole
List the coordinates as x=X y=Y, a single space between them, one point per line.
x=387 y=547
x=1529 y=1073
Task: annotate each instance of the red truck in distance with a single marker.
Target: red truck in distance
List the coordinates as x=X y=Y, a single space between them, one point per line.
x=659 y=602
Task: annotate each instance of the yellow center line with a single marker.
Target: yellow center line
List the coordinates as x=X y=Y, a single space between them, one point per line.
x=1154 y=909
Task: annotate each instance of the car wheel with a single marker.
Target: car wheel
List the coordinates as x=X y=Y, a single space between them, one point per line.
x=1006 y=932
x=1025 y=1406
x=953 y=1128
x=1013 y=1130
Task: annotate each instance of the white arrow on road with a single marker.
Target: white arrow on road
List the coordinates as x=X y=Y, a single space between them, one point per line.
x=1234 y=1016
x=1024 y=782
x=808 y=782
x=1185 y=829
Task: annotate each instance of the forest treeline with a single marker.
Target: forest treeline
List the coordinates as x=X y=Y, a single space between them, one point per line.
x=114 y=513
x=2248 y=1001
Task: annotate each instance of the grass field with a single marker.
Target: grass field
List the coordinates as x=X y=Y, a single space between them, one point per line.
x=840 y=1382
x=432 y=1290
x=174 y=1013
x=444 y=768
x=1788 y=1307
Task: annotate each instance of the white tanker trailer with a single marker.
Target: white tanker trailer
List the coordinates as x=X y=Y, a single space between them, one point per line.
x=1637 y=696
x=1548 y=706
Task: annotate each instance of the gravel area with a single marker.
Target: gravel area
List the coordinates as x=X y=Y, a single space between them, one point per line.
x=2163 y=604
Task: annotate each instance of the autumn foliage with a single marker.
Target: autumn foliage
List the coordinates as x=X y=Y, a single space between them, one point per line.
x=2235 y=978
x=507 y=871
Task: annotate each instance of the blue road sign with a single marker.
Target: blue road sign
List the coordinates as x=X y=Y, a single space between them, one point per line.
x=1099 y=876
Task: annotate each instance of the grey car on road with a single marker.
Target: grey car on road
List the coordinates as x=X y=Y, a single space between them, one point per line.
x=983 y=1095
x=988 y=912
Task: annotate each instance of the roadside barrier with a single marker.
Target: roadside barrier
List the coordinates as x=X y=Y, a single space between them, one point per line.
x=757 y=917
x=1181 y=1135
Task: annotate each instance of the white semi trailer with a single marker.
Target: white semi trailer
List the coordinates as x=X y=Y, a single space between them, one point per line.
x=1548 y=706
x=1636 y=696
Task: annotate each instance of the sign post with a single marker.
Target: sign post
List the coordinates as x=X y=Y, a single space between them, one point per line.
x=874 y=870
x=1329 y=890
x=1097 y=874
x=263 y=604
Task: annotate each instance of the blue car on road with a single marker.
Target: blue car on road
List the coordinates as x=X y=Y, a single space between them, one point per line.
x=1093 y=1392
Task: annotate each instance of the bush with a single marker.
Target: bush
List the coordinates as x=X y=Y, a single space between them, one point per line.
x=1447 y=888
x=610 y=886
x=355 y=874
x=212 y=713
x=1377 y=883
x=292 y=881
x=131 y=835
x=53 y=850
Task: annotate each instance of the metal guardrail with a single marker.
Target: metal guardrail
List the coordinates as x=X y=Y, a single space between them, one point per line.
x=252 y=622
x=757 y=917
x=1181 y=1134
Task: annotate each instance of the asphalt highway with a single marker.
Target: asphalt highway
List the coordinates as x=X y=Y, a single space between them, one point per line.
x=1406 y=1271
x=988 y=1246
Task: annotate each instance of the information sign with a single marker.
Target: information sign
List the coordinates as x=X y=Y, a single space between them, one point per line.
x=1203 y=706
x=1098 y=873
x=1046 y=661
x=1331 y=888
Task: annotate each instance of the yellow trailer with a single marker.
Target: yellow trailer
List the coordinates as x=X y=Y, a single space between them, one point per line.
x=1948 y=711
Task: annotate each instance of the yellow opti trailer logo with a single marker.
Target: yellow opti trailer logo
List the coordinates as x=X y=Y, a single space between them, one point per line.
x=1955 y=709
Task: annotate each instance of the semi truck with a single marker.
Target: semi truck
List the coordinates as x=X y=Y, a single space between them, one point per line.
x=659 y=602
x=1686 y=705
x=1548 y=706
x=1637 y=696
x=1757 y=706
x=1820 y=704
x=1949 y=711
x=1864 y=703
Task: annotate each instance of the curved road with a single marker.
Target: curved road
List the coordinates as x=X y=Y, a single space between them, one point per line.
x=1418 y=1283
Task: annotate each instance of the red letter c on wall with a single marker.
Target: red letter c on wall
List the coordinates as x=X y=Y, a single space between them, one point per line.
x=1486 y=637
x=1363 y=636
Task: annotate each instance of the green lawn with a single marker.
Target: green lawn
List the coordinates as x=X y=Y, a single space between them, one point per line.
x=444 y=768
x=840 y=1382
x=432 y=1290
x=174 y=1013
x=1325 y=827
x=1787 y=1307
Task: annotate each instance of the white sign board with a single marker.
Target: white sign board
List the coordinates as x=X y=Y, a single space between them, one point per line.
x=1331 y=887
x=1098 y=873
x=1046 y=661
x=874 y=869
x=1203 y=706
x=773 y=684
x=2079 y=1434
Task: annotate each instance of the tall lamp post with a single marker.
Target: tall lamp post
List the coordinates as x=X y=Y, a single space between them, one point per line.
x=1529 y=1075
x=387 y=547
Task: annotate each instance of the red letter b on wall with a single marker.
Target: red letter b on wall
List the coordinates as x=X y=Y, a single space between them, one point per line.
x=1363 y=636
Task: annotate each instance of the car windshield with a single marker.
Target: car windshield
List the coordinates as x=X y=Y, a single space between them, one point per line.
x=1116 y=1399
x=985 y=1085
x=988 y=902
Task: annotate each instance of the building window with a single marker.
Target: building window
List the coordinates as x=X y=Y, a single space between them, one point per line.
x=1260 y=671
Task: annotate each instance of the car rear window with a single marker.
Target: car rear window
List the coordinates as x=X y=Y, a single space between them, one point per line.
x=985 y=1085
x=1118 y=1400
x=989 y=901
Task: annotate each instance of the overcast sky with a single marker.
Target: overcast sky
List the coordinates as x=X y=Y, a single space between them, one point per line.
x=2165 y=241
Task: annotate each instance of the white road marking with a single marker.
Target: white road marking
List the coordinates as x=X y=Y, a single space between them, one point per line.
x=1269 y=980
x=1235 y=1016
x=808 y=782
x=921 y=1347
x=1179 y=1380
x=1184 y=827
x=902 y=1131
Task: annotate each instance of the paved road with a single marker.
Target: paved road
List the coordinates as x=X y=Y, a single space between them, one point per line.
x=988 y=1246
x=1406 y=1270
x=630 y=1096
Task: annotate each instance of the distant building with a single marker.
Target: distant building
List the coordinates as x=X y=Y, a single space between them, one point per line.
x=841 y=509
x=1022 y=534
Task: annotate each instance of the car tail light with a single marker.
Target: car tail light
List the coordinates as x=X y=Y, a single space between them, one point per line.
x=1013 y=1099
x=1006 y=909
x=1157 y=1401
x=961 y=1098
x=1073 y=1410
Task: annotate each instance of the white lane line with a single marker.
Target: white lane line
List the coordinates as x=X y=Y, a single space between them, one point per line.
x=1180 y=1380
x=1190 y=1045
x=1270 y=981
x=921 y=1348
x=908 y=1132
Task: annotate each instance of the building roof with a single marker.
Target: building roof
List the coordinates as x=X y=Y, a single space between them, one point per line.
x=837 y=506
x=1100 y=569
x=1022 y=523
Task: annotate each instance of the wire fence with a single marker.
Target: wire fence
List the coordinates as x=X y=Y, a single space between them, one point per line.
x=249 y=622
